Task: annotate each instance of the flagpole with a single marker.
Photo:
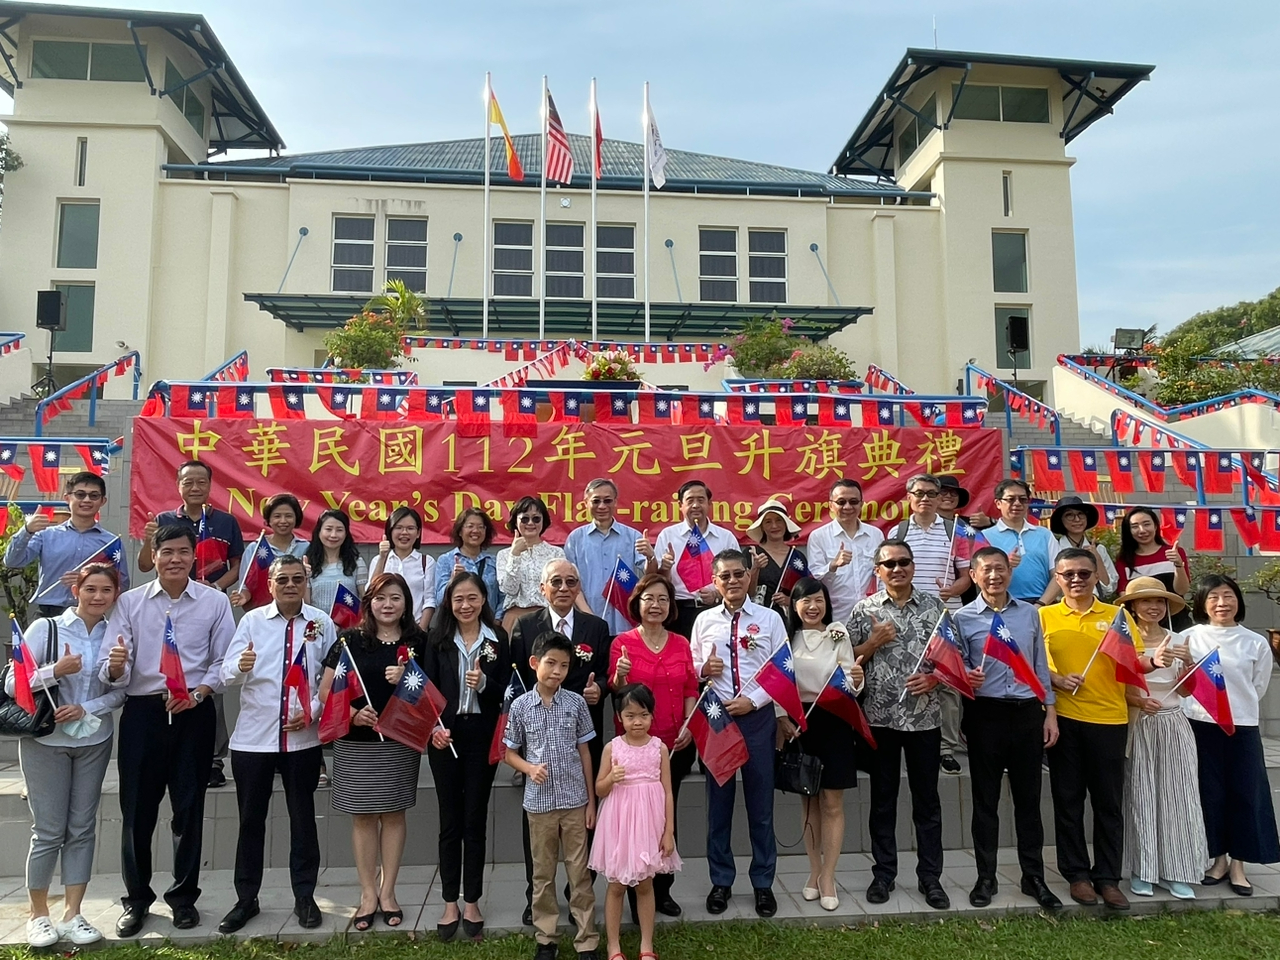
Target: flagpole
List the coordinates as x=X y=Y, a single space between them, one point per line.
x=825 y=684
x=685 y=725
x=484 y=236
x=244 y=574
x=922 y=653
x=542 y=222
x=648 y=125
x=1085 y=671
x=595 y=123
x=76 y=566
x=1187 y=676
x=363 y=689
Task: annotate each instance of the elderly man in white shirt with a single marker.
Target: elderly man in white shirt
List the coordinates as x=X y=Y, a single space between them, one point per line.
x=277 y=731
x=840 y=553
x=695 y=508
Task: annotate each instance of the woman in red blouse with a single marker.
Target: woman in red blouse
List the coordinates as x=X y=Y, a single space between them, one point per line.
x=662 y=661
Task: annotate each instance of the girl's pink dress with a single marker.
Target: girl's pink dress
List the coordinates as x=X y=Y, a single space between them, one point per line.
x=627 y=847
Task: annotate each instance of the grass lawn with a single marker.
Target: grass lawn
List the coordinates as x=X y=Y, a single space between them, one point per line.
x=1219 y=935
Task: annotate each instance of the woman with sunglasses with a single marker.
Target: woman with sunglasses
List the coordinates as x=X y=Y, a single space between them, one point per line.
x=520 y=565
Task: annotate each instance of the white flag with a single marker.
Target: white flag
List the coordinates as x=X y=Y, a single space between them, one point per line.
x=657 y=156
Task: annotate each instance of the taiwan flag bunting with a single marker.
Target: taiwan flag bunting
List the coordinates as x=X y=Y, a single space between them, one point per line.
x=742 y=410
x=694 y=565
x=296 y=679
x=617 y=591
x=1208 y=685
x=519 y=413
x=112 y=554
x=345 y=612
x=498 y=746
x=9 y=462
x=1001 y=646
x=175 y=680
x=720 y=743
x=1173 y=520
x=1046 y=467
x=1084 y=470
x=427 y=404
x=211 y=553
x=797 y=568
x=286 y=402
x=1246 y=521
x=655 y=407
x=1254 y=464
x=834 y=412
x=791 y=411
x=236 y=402
x=188 y=401
x=877 y=413
x=45 y=463
x=1152 y=464
x=414 y=709
x=1118 y=645
x=963 y=414
x=612 y=407
x=95 y=459
x=335 y=718
x=24 y=665
x=943 y=651
x=698 y=408
x=777 y=678
x=838 y=697
x=1208 y=533
x=1219 y=472
x=1186 y=466
x=472 y=410
x=337 y=400
x=254 y=582
x=565 y=405
x=1120 y=466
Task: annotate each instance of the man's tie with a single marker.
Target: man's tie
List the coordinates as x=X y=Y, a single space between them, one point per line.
x=562 y=626
x=733 y=654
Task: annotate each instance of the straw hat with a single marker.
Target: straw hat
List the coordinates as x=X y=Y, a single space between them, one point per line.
x=756 y=531
x=1149 y=588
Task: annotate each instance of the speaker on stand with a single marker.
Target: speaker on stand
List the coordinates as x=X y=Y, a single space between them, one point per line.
x=51 y=315
x=1017 y=334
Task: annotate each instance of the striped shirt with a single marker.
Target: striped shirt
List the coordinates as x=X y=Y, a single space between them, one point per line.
x=941 y=558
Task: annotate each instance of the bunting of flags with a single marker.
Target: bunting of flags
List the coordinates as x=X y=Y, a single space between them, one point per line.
x=1214 y=472
x=339 y=375
x=60 y=402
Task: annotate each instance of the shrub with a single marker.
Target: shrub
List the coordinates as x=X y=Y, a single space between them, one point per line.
x=366 y=340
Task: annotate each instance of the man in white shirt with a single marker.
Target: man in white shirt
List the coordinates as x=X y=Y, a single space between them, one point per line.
x=731 y=642
x=695 y=508
x=840 y=553
x=277 y=732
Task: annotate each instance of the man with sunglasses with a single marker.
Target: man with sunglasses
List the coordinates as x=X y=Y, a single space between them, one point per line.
x=840 y=552
x=890 y=630
x=276 y=732
x=1031 y=550
x=63 y=548
x=730 y=644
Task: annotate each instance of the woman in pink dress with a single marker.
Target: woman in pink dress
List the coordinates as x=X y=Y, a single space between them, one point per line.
x=635 y=830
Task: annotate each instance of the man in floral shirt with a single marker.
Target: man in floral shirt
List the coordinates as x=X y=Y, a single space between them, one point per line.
x=891 y=629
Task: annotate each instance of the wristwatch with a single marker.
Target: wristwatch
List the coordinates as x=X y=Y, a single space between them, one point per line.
x=197 y=696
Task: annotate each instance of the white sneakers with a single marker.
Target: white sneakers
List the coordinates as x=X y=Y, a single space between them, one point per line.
x=41 y=931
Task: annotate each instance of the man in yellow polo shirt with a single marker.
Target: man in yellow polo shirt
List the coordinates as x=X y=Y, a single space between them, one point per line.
x=1093 y=724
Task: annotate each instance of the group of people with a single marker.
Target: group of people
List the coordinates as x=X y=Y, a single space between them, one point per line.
x=1176 y=799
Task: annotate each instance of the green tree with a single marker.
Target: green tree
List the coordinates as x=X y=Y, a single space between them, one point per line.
x=17 y=585
x=1226 y=325
x=9 y=160
x=405 y=308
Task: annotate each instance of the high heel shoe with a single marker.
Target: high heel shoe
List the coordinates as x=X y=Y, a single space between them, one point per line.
x=388 y=916
x=447 y=931
x=473 y=929
x=362 y=922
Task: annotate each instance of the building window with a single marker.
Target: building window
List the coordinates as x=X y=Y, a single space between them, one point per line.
x=77 y=60
x=1006 y=188
x=78 y=337
x=718 y=265
x=82 y=160
x=913 y=134
x=1010 y=104
x=512 y=259
x=407 y=253
x=185 y=99
x=1009 y=261
x=77 y=236
x=767 y=265
x=353 y=254
x=564 y=260
x=616 y=262
x=1004 y=360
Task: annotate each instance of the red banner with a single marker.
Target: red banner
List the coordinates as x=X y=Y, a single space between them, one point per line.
x=370 y=468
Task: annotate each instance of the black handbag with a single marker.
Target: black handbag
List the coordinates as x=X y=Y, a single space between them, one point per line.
x=795 y=771
x=16 y=722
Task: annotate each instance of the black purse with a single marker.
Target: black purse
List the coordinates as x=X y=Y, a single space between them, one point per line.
x=795 y=771
x=16 y=722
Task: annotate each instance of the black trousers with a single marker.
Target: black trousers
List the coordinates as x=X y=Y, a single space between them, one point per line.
x=921 y=749
x=1088 y=758
x=154 y=756
x=1006 y=735
x=686 y=612
x=1239 y=818
x=463 y=786
x=255 y=775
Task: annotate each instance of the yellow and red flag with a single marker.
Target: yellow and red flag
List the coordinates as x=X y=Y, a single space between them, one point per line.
x=514 y=170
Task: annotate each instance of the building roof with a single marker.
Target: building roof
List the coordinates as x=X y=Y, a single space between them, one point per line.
x=1096 y=87
x=462 y=161
x=237 y=120
x=1265 y=343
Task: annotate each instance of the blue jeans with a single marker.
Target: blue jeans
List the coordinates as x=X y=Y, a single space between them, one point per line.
x=759 y=729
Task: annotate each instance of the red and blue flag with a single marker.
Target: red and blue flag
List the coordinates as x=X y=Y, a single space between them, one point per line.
x=1001 y=646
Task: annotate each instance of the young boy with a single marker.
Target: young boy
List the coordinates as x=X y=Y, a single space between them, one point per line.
x=551 y=727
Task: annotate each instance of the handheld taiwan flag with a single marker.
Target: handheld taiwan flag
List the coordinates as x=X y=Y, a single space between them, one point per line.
x=175 y=680
x=1120 y=466
x=1118 y=645
x=617 y=592
x=777 y=678
x=24 y=666
x=797 y=568
x=1209 y=686
x=335 y=718
x=498 y=747
x=45 y=463
x=345 y=612
x=943 y=651
x=211 y=553
x=111 y=554
x=838 y=697
x=719 y=741
x=1001 y=646
x=257 y=574
x=976 y=537
x=296 y=679
x=694 y=565
x=414 y=709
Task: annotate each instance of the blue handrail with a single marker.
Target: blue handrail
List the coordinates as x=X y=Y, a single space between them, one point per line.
x=1007 y=390
x=240 y=362
x=1168 y=413
x=10 y=341
x=132 y=359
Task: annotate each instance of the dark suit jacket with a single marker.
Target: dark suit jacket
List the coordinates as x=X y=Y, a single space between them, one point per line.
x=590 y=633
x=440 y=661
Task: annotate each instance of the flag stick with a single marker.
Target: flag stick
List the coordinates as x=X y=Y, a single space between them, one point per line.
x=363 y=689
x=74 y=567
x=685 y=725
x=647 y=127
x=595 y=121
x=1087 y=666
x=1186 y=676
x=244 y=573
x=922 y=653
x=825 y=684
x=542 y=221
x=484 y=233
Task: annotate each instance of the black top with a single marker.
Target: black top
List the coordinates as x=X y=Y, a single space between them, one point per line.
x=372 y=657
x=221 y=526
x=767 y=584
x=440 y=661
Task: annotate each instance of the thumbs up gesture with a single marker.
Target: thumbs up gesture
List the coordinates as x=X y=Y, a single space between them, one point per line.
x=68 y=663
x=669 y=558
x=856 y=673
x=1015 y=558
x=591 y=692
x=844 y=556
x=644 y=546
x=248 y=658
x=621 y=669
x=713 y=667
x=149 y=528
x=882 y=632
x=116 y=659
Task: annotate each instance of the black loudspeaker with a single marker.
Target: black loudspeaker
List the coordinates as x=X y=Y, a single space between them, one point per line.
x=1018 y=335
x=51 y=310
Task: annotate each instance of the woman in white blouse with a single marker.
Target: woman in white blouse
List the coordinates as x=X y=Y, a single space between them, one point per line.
x=1239 y=819
x=398 y=553
x=818 y=646
x=520 y=565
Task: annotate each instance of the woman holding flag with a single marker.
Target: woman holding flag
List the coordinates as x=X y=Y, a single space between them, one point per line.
x=335 y=562
x=776 y=558
x=1232 y=673
x=282 y=514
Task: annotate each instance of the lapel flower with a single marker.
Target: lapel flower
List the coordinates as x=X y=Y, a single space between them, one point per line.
x=311 y=632
x=583 y=651
x=837 y=634
x=488 y=652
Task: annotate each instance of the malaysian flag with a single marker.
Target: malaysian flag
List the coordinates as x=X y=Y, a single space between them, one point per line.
x=558 y=161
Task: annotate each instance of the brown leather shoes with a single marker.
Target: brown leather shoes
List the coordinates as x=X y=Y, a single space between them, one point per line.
x=1113 y=897
x=1082 y=892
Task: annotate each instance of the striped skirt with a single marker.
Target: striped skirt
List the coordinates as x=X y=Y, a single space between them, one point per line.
x=1163 y=824
x=380 y=777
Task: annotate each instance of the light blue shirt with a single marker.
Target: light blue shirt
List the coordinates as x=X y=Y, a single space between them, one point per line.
x=1036 y=547
x=60 y=549
x=973 y=623
x=595 y=554
x=485 y=565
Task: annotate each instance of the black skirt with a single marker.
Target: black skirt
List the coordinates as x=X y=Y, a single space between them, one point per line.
x=832 y=741
x=1239 y=819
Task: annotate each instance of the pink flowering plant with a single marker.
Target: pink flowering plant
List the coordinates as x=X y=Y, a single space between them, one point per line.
x=767 y=349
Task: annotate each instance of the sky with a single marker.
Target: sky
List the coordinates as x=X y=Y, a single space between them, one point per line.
x=1175 y=208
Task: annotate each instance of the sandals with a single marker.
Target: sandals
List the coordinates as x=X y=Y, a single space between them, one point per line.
x=364 y=921
x=648 y=953
x=392 y=918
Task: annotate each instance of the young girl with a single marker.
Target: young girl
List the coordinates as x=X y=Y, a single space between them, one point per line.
x=635 y=831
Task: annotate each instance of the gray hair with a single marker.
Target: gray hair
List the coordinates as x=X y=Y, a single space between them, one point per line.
x=601 y=482
x=546 y=568
x=923 y=478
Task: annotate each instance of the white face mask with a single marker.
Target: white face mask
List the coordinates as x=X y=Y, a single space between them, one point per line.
x=84 y=727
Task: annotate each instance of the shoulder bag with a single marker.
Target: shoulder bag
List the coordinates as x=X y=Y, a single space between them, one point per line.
x=795 y=771
x=16 y=722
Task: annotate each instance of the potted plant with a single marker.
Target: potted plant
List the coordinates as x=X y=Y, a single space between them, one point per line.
x=372 y=338
x=612 y=369
x=766 y=349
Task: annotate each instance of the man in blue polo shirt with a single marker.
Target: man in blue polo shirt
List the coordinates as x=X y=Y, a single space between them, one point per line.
x=1031 y=549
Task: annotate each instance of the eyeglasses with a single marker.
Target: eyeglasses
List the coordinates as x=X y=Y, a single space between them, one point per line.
x=730 y=575
x=847 y=503
x=531 y=519
x=895 y=564
x=1075 y=574
x=403 y=528
x=286 y=581
x=86 y=495
x=660 y=601
x=924 y=494
x=602 y=501
x=558 y=582
x=1015 y=500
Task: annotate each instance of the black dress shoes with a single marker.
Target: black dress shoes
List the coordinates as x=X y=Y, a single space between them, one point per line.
x=527 y=917
x=934 y=895
x=879 y=890
x=718 y=899
x=766 y=903
x=1036 y=888
x=667 y=906
x=185 y=918
x=983 y=891
x=131 y=921
x=235 y=919
x=308 y=912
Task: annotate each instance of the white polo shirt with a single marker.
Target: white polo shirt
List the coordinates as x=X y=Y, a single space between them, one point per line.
x=674 y=536
x=852 y=582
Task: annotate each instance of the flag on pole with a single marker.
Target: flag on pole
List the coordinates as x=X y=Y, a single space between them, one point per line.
x=657 y=156
x=345 y=612
x=694 y=565
x=838 y=697
x=559 y=159
x=943 y=651
x=335 y=718
x=720 y=743
x=597 y=151
x=256 y=576
x=797 y=569
x=1208 y=685
x=112 y=554
x=175 y=680
x=24 y=665
x=498 y=747
x=414 y=709
x=1001 y=646
x=514 y=170
x=211 y=553
x=296 y=678
x=617 y=592
x=777 y=678
x=1118 y=645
